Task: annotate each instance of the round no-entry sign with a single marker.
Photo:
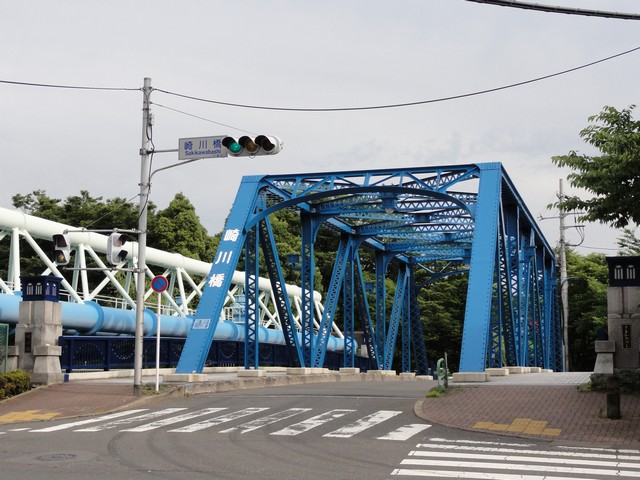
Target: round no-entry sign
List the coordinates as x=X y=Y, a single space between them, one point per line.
x=159 y=283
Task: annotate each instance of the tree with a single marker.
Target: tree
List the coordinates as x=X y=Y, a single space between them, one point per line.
x=177 y=229
x=588 y=278
x=629 y=244
x=613 y=178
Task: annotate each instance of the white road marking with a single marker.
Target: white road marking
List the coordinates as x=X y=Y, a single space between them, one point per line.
x=474 y=462
x=528 y=467
x=64 y=426
x=173 y=420
x=128 y=420
x=459 y=474
x=269 y=419
x=363 y=424
x=405 y=432
x=218 y=420
x=602 y=456
x=524 y=458
x=313 y=422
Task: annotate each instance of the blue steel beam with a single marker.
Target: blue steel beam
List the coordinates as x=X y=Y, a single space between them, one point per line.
x=406 y=325
x=477 y=317
x=307 y=276
x=331 y=301
x=252 y=274
x=348 y=311
x=417 y=331
x=278 y=285
x=362 y=305
x=397 y=311
x=207 y=314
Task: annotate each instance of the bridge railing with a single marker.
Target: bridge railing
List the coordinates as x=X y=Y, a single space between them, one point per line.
x=116 y=352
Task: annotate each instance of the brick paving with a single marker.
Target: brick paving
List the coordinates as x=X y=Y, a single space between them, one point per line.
x=540 y=411
x=66 y=400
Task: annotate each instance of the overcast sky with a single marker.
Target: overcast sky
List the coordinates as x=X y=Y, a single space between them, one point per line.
x=304 y=54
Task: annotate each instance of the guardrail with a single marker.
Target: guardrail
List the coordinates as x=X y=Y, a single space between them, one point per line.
x=117 y=352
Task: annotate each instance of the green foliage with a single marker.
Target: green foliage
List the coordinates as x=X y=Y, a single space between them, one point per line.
x=588 y=278
x=629 y=244
x=442 y=305
x=612 y=179
x=177 y=229
x=436 y=392
x=628 y=381
x=14 y=383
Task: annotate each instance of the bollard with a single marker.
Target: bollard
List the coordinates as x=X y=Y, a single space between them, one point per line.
x=613 y=398
x=441 y=372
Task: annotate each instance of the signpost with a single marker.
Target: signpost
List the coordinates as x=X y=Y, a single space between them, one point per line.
x=159 y=284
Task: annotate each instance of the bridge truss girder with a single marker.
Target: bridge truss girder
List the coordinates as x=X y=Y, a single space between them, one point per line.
x=415 y=217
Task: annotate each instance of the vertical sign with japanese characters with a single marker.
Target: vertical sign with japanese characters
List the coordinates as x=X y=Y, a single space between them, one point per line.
x=218 y=282
x=626 y=335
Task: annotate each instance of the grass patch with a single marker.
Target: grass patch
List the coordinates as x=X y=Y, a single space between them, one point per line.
x=436 y=392
x=150 y=389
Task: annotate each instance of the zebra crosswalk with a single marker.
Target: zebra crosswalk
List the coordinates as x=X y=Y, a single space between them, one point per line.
x=243 y=420
x=442 y=458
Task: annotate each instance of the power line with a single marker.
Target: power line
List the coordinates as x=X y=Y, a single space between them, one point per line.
x=73 y=87
x=200 y=118
x=566 y=10
x=398 y=105
x=336 y=109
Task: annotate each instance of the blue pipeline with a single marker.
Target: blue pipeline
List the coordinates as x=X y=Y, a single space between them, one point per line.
x=89 y=318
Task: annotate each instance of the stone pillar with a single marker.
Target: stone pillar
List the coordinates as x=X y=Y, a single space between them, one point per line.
x=623 y=311
x=12 y=358
x=38 y=329
x=605 y=350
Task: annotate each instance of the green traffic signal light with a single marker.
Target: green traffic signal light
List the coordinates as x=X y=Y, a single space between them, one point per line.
x=231 y=144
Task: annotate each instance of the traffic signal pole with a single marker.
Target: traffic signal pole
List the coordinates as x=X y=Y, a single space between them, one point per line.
x=145 y=175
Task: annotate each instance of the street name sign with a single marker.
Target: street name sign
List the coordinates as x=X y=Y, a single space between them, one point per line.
x=201 y=147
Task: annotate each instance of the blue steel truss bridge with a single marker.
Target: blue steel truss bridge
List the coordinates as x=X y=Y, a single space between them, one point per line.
x=438 y=221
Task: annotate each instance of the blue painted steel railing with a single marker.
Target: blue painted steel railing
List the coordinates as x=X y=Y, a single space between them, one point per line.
x=116 y=352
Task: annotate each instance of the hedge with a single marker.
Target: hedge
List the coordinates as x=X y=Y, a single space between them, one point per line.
x=14 y=383
x=628 y=381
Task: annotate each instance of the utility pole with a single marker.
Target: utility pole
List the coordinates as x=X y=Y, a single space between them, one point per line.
x=145 y=175
x=564 y=284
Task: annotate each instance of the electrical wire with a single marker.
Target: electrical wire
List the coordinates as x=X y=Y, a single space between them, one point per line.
x=336 y=109
x=201 y=118
x=398 y=105
x=73 y=87
x=565 y=10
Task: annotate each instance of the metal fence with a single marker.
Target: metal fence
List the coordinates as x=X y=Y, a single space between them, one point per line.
x=117 y=352
x=4 y=347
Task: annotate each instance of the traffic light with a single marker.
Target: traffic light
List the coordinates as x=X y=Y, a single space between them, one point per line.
x=115 y=248
x=246 y=146
x=62 y=249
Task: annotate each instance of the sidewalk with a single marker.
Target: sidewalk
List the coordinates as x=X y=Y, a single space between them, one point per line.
x=544 y=406
x=538 y=405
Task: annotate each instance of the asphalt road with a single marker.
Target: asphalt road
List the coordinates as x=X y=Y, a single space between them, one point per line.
x=364 y=430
